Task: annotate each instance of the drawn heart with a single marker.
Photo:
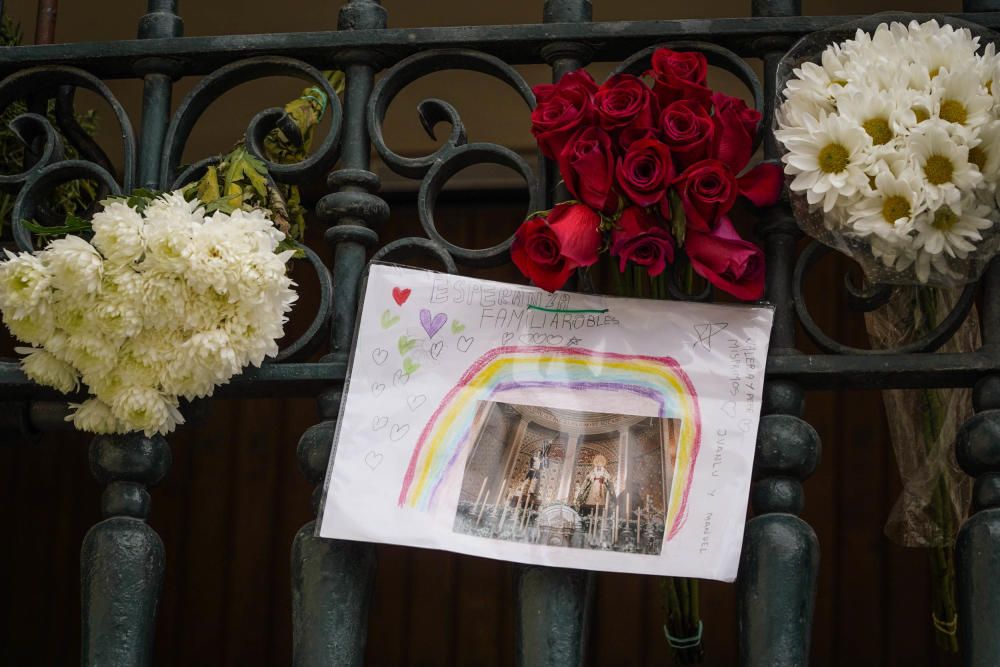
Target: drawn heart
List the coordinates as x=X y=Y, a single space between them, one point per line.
x=378 y=388
x=379 y=423
x=464 y=343
x=400 y=295
x=399 y=378
x=409 y=367
x=388 y=319
x=373 y=460
x=379 y=356
x=507 y=337
x=436 y=349
x=397 y=432
x=457 y=327
x=729 y=407
x=432 y=325
x=405 y=344
x=416 y=401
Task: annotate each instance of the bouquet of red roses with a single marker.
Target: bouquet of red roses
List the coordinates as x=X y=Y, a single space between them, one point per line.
x=653 y=168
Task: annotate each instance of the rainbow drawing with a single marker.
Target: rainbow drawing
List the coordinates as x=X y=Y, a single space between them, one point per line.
x=660 y=379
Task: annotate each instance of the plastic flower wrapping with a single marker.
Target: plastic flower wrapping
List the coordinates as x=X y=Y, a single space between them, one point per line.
x=891 y=150
x=654 y=165
x=162 y=303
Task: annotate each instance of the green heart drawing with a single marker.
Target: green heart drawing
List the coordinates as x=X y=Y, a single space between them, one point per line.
x=409 y=367
x=388 y=319
x=457 y=327
x=406 y=344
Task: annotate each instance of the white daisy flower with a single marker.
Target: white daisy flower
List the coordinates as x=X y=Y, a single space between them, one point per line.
x=960 y=98
x=943 y=163
x=891 y=209
x=828 y=159
x=952 y=228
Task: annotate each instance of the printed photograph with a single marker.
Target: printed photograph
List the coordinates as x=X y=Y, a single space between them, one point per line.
x=585 y=480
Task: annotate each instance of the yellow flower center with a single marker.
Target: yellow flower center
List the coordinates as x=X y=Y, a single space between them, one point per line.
x=878 y=129
x=894 y=208
x=833 y=158
x=977 y=156
x=838 y=82
x=989 y=86
x=944 y=219
x=921 y=114
x=934 y=72
x=953 y=111
x=938 y=169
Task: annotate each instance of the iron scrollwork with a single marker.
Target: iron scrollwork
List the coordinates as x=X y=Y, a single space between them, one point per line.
x=454 y=155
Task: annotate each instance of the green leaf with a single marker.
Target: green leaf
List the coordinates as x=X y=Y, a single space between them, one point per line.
x=678 y=221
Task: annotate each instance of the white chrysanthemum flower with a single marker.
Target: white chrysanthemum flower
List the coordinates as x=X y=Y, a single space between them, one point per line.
x=952 y=228
x=94 y=416
x=25 y=285
x=35 y=329
x=165 y=303
x=75 y=265
x=146 y=409
x=119 y=233
x=45 y=369
x=889 y=212
x=944 y=164
x=827 y=158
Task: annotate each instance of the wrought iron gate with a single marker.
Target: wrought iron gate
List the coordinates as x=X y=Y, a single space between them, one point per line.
x=122 y=557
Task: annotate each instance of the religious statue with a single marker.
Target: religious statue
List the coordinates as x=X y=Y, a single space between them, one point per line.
x=597 y=487
x=539 y=461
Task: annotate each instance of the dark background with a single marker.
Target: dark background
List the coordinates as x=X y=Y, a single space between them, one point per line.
x=234 y=497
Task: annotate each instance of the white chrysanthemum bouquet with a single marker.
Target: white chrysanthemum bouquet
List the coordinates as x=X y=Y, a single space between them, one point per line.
x=162 y=303
x=891 y=143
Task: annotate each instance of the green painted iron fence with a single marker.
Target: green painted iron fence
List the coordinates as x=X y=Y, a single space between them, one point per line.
x=122 y=557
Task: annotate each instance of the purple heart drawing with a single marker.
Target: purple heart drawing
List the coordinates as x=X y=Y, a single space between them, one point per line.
x=432 y=325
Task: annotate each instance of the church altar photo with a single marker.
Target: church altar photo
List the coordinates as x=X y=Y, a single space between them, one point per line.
x=556 y=477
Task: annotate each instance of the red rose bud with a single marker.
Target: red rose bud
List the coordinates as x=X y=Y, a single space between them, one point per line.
x=561 y=109
x=536 y=252
x=688 y=130
x=735 y=128
x=707 y=190
x=578 y=229
x=641 y=240
x=679 y=75
x=587 y=165
x=762 y=184
x=625 y=101
x=645 y=172
x=727 y=261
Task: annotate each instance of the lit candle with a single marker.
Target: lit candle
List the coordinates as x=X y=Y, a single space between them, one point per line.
x=500 y=493
x=615 y=540
x=638 y=525
x=482 y=488
x=628 y=506
x=482 y=508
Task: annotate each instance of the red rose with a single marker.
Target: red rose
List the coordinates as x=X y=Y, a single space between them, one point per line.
x=625 y=101
x=578 y=229
x=587 y=165
x=735 y=127
x=762 y=184
x=645 y=172
x=707 y=190
x=679 y=75
x=561 y=109
x=642 y=241
x=549 y=246
x=687 y=129
x=727 y=261
x=536 y=253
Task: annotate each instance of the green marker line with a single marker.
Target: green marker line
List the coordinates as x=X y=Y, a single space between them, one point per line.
x=568 y=310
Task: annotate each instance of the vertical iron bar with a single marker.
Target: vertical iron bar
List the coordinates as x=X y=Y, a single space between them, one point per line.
x=780 y=559
x=554 y=604
x=977 y=447
x=158 y=75
x=332 y=580
x=122 y=558
x=121 y=561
